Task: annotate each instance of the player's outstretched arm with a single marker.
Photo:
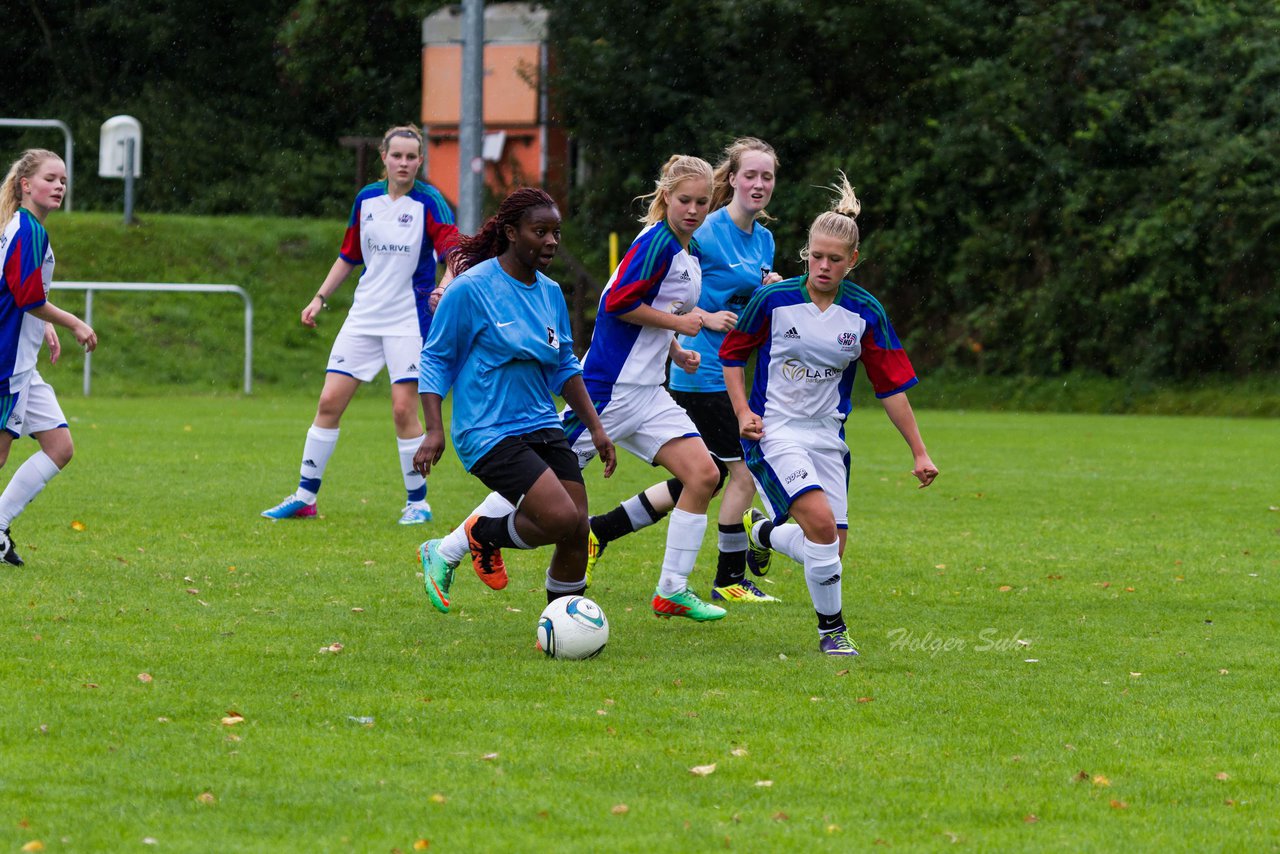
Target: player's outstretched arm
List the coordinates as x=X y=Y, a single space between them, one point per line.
x=337 y=275
x=575 y=394
x=898 y=408
x=432 y=447
x=85 y=336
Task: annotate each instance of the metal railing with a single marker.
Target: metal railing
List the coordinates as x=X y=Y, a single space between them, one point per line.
x=179 y=287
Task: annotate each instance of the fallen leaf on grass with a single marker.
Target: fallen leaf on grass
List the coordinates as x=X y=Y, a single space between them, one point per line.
x=866 y=699
x=1222 y=775
x=738 y=751
x=1134 y=675
x=77 y=525
x=1229 y=802
x=764 y=784
x=513 y=610
x=90 y=685
x=232 y=718
x=33 y=845
x=1005 y=588
x=421 y=844
x=489 y=757
x=1119 y=805
x=144 y=677
x=602 y=711
x=437 y=798
x=620 y=809
x=1223 y=672
x=781 y=816
x=1031 y=818
x=333 y=647
x=206 y=798
x=1100 y=780
x=844 y=672
x=1082 y=776
x=703 y=770
x=361 y=611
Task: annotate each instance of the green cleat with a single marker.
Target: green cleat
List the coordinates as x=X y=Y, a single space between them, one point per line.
x=837 y=643
x=758 y=556
x=595 y=550
x=437 y=575
x=685 y=604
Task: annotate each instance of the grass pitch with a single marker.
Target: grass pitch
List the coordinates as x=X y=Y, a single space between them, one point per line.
x=1067 y=646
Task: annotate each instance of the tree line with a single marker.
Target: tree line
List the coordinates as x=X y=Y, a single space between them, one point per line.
x=1082 y=185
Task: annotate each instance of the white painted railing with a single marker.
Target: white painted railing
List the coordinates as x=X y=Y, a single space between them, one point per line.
x=90 y=287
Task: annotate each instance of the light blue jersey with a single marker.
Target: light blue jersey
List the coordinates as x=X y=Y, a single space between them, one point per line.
x=733 y=265
x=505 y=348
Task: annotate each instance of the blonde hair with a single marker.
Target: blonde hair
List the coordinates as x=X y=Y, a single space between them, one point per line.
x=841 y=221
x=731 y=163
x=679 y=167
x=11 y=188
x=406 y=131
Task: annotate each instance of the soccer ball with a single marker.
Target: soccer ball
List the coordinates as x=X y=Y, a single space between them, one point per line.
x=572 y=627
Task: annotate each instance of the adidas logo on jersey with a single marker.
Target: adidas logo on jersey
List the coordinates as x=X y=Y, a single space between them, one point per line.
x=308 y=464
x=368 y=217
x=684 y=276
x=791 y=333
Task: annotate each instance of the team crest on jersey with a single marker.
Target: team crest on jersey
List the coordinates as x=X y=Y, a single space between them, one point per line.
x=553 y=340
x=847 y=341
x=406 y=218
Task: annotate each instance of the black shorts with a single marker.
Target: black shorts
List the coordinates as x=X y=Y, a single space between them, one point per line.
x=513 y=466
x=712 y=413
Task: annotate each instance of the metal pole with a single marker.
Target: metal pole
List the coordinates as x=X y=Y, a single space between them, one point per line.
x=128 y=181
x=88 y=356
x=471 y=126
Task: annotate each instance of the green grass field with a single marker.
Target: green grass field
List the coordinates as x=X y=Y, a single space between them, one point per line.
x=1068 y=645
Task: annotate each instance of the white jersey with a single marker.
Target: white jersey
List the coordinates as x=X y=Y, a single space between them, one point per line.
x=399 y=241
x=656 y=271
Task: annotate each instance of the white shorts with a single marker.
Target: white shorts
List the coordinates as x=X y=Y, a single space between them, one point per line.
x=798 y=456
x=35 y=406
x=362 y=356
x=639 y=418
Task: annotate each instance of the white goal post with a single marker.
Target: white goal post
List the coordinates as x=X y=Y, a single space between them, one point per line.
x=170 y=287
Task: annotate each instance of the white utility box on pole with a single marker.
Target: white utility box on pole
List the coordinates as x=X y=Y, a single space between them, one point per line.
x=120 y=155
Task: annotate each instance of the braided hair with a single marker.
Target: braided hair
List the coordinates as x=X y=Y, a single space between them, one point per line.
x=491 y=240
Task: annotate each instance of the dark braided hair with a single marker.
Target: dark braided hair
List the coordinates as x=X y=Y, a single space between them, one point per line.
x=491 y=240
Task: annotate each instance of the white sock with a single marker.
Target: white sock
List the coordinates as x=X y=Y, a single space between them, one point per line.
x=454 y=545
x=26 y=483
x=822 y=574
x=315 y=457
x=789 y=540
x=684 y=538
x=415 y=485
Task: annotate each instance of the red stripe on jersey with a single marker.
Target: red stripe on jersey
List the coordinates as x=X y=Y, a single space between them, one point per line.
x=888 y=370
x=738 y=345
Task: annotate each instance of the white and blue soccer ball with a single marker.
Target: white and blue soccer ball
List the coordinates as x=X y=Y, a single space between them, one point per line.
x=572 y=627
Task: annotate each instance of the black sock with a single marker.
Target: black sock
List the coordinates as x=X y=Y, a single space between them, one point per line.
x=731 y=567
x=493 y=531
x=617 y=522
x=764 y=534
x=553 y=596
x=828 y=623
